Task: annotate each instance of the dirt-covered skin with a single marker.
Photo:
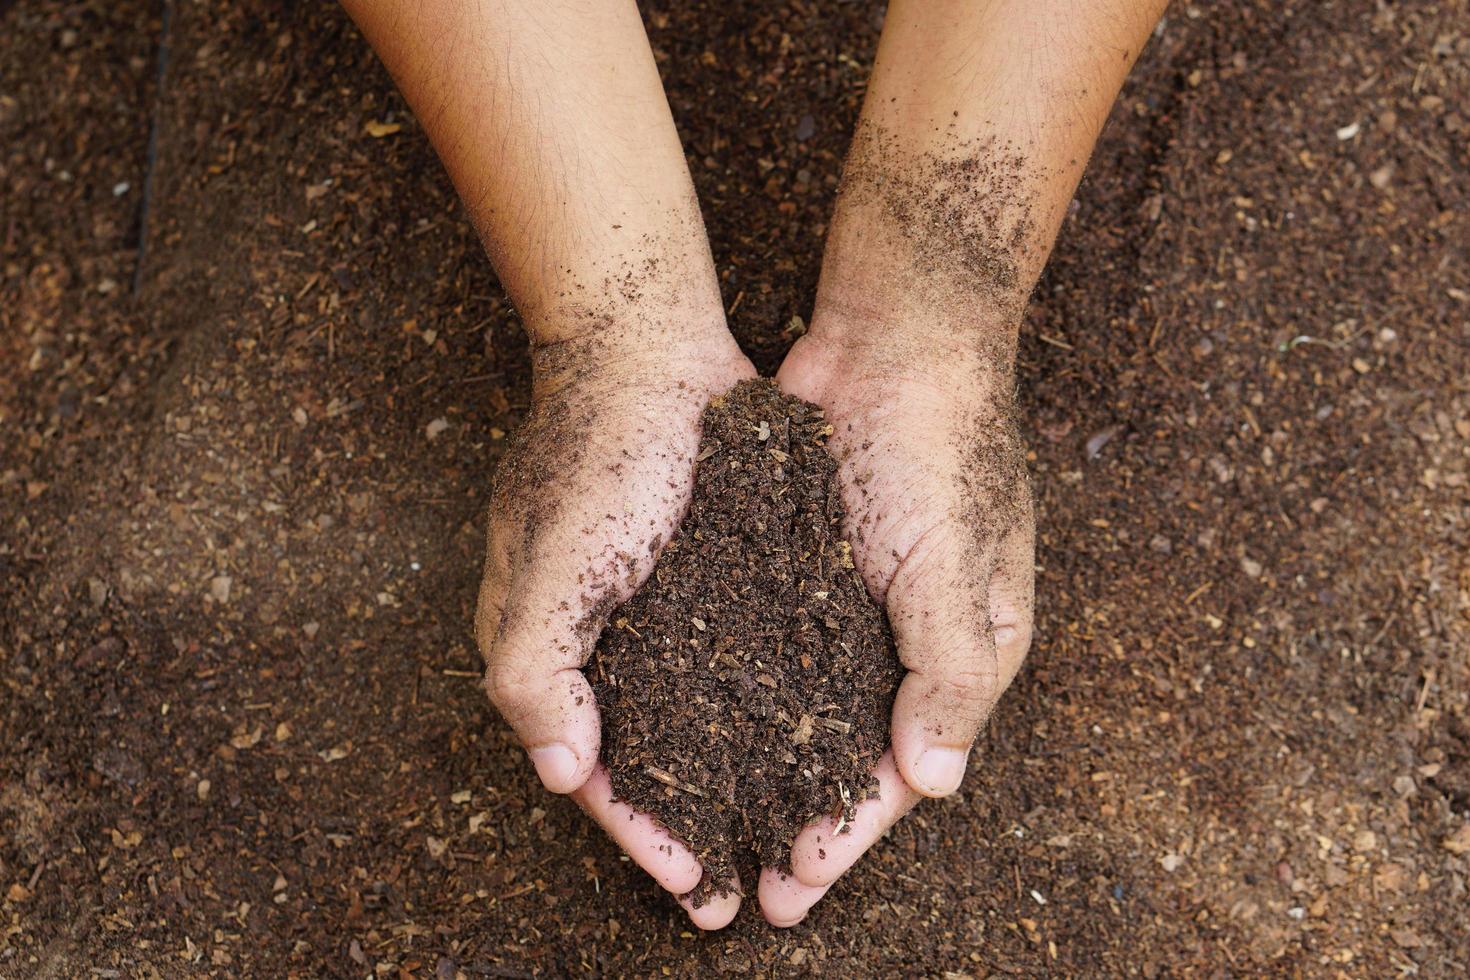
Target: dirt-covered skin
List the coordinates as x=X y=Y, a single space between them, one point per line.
x=747 y=687
x=955 y=221
x=934 y=476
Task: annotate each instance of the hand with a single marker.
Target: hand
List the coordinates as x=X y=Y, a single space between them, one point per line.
x=595 y=481
x=939 y=511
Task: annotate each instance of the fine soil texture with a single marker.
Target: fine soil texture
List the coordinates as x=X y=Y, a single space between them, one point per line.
x=256 y=376
x=746 y=688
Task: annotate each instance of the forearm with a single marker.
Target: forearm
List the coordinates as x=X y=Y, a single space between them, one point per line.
x=551 y=120
x=978 y=122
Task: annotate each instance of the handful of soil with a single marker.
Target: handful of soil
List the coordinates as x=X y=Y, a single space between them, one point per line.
x=746 y=689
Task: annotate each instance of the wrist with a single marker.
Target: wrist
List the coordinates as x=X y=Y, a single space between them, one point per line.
x=628 y=296
x=870 y=371
x=949 y=221
x=639 y=348
x=896 y=338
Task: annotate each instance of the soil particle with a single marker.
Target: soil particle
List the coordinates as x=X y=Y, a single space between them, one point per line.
x=747 y=687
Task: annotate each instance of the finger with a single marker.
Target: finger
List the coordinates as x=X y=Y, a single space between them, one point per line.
x=534 y=646
x=939 y=607
x=784 y=900
x=640 y=836
x=717 y=912
x=820 y=855
x=553 y=712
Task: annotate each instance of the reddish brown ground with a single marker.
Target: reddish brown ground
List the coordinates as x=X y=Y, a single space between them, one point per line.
x=240 y=724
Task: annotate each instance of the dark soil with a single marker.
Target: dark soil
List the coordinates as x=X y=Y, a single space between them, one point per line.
x=747 y=687
x=241 y=725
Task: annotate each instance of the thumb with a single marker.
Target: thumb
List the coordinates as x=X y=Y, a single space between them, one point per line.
x=939 y=608
x=535 y=643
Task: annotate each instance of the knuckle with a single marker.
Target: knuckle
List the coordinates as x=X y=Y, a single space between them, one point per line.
x=1011 y=623
x=1013 y=639
x=508 y=686
x=968 y=692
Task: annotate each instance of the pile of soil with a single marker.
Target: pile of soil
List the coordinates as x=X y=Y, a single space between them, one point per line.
x=746 y=688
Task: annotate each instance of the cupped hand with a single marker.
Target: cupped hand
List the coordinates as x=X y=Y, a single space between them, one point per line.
x=939 y=511
x=596 y=479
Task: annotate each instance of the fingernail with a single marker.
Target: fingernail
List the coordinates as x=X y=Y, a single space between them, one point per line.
x=940 y=770
x=556 y=765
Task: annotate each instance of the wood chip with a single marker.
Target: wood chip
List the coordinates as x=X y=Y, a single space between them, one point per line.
x=669 y=779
